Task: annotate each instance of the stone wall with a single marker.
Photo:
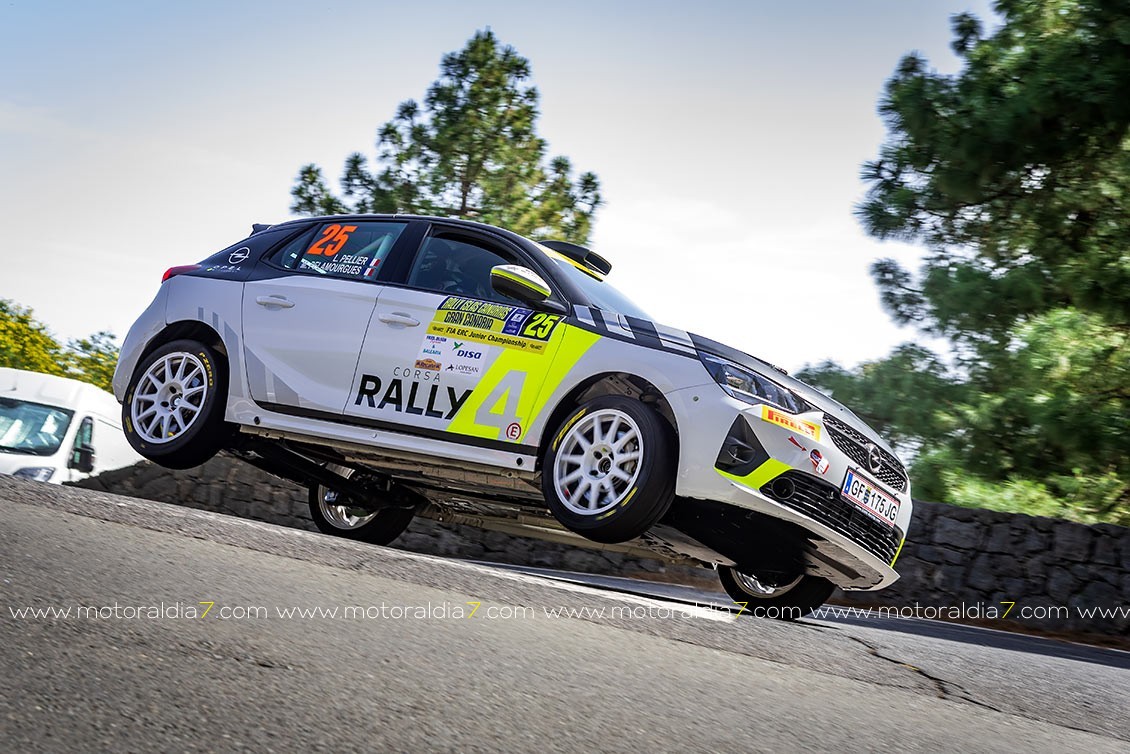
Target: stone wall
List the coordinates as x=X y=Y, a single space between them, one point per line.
x=1051 y=569
x=958 y=563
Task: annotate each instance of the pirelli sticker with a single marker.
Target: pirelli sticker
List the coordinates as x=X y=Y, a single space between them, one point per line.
x=788 y=421
x=493 y=324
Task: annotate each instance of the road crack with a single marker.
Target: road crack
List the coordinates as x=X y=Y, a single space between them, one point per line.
x=944 y=689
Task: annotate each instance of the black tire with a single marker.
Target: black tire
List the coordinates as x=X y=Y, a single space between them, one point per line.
x=620 y=509
x=203 y=372
x=788 y=602
x=379 y=528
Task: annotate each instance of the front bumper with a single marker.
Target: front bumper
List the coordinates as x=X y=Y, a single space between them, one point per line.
x=793 y=468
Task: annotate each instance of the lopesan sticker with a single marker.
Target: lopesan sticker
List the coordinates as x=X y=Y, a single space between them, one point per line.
x=411 y=396
x=452 y=355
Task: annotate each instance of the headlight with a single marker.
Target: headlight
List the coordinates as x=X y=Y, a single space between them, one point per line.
x=750 y=386
x=36 y=473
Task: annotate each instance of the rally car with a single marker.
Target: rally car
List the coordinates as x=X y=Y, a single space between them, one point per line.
x=403 y=366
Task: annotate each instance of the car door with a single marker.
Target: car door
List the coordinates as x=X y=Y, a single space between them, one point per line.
x=445 y=353
x=306 y=311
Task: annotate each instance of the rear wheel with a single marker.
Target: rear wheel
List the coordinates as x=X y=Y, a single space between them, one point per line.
x=788 y=600
x=609 y=474
x=173 y=413
x=334 y=513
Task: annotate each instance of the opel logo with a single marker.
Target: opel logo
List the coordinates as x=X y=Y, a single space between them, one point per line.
x=874 y=458
x=239 y=255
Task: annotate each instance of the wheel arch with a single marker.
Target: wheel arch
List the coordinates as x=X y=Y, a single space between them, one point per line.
x=608 y=383
x=192 y=329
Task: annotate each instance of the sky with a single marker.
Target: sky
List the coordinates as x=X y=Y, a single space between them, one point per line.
x=727 y=136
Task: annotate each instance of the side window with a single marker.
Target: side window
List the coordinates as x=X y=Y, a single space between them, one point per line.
x=459 y=266
x=342 y=249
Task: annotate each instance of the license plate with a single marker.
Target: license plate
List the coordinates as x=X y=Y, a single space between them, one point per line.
x=867 y=495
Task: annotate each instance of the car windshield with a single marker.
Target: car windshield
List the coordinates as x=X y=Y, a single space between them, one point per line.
x=600 y=293
x=32 y=428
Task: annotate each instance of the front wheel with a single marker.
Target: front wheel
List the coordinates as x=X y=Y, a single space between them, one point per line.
x=335 y=514
x=173 y=413
x=785 y=601
x=609 y=473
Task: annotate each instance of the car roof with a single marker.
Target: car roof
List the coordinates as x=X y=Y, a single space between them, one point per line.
x=547 y=257
x=470 y=224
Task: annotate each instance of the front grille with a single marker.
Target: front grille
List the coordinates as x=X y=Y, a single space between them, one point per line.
x=854 y=444
x=822 y=502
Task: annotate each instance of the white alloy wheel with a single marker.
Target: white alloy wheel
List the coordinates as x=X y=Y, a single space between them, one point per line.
x=599 y=462
x=760 y=590
x=341 y=516
x=169 y=397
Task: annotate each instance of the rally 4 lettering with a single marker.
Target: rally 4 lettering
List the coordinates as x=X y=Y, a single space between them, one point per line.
x=436 y=405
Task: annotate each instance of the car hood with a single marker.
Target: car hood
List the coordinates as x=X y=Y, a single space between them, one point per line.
x=821 y=401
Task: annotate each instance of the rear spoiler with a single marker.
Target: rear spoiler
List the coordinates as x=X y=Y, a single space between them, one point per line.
x=259 y=227
x=581 y=255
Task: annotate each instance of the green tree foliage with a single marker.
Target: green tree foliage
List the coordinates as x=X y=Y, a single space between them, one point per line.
x=25 y=343
x=1015 y=174
x=93 y=359
x=910 y=370
x=471 y=150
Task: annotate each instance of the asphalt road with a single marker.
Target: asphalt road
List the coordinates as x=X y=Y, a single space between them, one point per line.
x=412 y=669
x=937 y=629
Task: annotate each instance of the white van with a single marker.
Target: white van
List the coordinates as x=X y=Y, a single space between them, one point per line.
x=54 y=429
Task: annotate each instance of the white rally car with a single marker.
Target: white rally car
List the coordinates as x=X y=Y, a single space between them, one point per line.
x=400 y=365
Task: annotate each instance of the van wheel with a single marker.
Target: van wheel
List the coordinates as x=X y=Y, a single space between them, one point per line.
x=609 y=474
x=334 y=514
x=173 y=413
x=791 y=600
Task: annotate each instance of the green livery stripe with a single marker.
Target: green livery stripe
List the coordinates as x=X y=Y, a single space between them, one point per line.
x=524 y=282
x=575 y=342
x=898 y=552
x=541 y=373
x=757 y=478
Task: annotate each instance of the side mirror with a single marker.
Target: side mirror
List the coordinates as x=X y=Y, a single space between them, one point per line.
x=82 y=459
x=519 y=282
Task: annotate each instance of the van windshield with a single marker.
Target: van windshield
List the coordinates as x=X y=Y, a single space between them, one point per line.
x=32 y=428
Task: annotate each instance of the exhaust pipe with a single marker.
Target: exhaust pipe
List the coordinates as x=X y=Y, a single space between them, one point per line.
x=783 y=488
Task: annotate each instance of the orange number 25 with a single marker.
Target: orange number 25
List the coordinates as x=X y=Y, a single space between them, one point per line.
x=333 y=238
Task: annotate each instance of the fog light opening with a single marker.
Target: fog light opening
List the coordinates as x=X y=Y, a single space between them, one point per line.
x=783 y=489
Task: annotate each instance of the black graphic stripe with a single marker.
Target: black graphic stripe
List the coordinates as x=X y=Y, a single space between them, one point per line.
x=403 y=429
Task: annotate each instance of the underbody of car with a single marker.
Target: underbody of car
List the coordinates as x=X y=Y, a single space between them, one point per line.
x=402 y=366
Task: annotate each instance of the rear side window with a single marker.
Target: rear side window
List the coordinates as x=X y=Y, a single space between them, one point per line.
x=353 y=250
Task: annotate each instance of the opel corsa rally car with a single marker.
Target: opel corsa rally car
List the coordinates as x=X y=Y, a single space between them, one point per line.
x=403 y=366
